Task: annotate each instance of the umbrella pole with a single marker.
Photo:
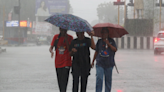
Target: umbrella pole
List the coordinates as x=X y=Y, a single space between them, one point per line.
x=116 y=68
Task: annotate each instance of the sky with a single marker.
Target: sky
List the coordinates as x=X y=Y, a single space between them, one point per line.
x=86 y=9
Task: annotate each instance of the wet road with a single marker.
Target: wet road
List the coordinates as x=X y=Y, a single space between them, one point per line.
x=30 y=69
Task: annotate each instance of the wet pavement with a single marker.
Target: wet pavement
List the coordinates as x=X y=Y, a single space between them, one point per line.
x=30 y=69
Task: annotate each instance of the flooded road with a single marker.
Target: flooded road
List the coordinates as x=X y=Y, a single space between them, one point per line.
x=30 y=69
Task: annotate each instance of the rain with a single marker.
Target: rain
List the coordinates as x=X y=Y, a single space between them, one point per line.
x=28 y=54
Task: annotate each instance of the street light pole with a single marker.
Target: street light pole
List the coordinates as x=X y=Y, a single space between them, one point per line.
x=160 y=14
x=125 y=11
x=119 y=3
x=19 y=39
x=118 y=14
x=134 y=12
x=3 y=21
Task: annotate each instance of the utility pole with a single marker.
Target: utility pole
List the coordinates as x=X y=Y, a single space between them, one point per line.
x=17 y=11
x=3 y=21
x=153 y=15
x=119 y=3
x=125 y=11
x=19 y=41
x=118 y=14
x=134 y=13
x=160 y=14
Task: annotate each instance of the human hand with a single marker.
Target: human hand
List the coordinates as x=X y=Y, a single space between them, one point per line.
x=91 y=33
x=106 y=41
x=74 y=50
x=52 y=54
x=92 y=65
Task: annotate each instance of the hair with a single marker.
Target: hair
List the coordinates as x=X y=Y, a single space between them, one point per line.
x=44 y=7
x=62 y=28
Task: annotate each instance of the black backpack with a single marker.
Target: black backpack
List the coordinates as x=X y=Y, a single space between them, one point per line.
x=56 y=41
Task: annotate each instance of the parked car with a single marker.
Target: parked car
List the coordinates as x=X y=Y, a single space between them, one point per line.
x=159 y=43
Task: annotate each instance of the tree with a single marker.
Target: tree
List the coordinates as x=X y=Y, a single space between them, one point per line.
x=107 y=12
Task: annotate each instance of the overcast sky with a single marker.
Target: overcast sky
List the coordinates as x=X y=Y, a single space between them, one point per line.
x=87 y=8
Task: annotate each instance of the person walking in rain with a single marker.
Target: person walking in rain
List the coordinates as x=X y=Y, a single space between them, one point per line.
x=81 y=65
x=104 y=55
x=63 y=61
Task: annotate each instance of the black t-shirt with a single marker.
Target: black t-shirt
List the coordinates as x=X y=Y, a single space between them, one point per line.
x=81 y=59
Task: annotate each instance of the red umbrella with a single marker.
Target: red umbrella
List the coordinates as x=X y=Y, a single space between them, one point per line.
x=115 y=30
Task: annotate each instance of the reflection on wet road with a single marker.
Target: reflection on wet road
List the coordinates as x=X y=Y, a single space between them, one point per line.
x=30 y=69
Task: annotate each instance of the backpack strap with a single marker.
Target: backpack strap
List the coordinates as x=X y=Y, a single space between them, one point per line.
x=56 y=41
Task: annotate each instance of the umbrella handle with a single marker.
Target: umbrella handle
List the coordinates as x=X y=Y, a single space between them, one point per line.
x=116 y=69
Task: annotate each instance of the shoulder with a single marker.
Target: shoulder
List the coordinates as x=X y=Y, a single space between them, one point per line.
x=99 y=40
x=74 y=40
x=39 y=9
x=56 y=36
x=87 y=38
x=110 y=39
x=70 y=36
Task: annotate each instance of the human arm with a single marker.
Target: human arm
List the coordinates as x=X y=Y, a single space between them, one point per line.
x=93 y=46
x=94 y=57
x=51 y=51
x=52 y=45
x=113 y=48
x=72 y=50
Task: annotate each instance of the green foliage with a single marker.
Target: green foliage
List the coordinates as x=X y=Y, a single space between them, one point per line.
x=107 y=12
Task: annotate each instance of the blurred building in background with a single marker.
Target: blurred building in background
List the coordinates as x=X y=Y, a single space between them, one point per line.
x=32 y=15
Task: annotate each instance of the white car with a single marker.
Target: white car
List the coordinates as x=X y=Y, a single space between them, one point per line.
x=159 y=43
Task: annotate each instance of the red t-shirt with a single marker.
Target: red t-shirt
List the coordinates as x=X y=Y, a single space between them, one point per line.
x=62 y=57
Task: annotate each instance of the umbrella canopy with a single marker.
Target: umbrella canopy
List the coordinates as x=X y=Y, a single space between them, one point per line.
x=115 y=30
x=70 y=22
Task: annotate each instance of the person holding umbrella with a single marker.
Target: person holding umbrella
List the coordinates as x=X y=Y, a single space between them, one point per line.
x=63 y=61
x=79 y=48
x=104 y=55
x=81 y=65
